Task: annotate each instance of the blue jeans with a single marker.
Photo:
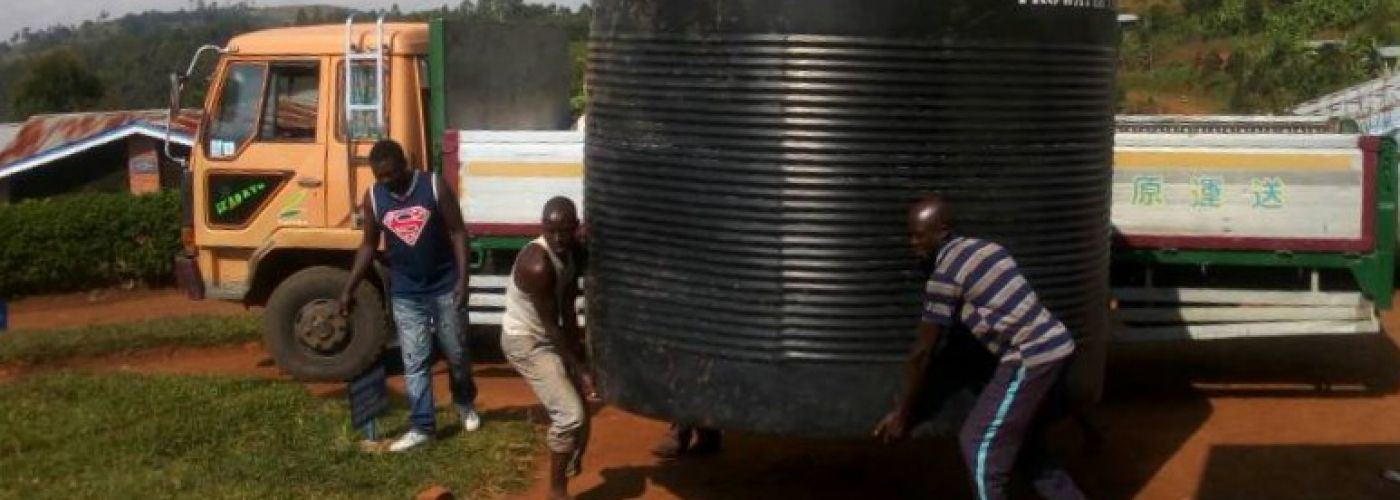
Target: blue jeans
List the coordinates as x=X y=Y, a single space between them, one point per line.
x=416 y=317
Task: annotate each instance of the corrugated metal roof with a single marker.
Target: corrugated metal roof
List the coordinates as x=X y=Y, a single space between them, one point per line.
x=1374 y=104
x=41 y=133
x=44 y=138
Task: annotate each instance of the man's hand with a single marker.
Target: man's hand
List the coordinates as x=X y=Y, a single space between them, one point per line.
x=893 y=427
x=346 y=302
x=460 y=294
x=586 y=387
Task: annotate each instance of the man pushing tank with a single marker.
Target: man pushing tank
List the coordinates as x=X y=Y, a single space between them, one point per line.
x=540 y=337
x=976 y=285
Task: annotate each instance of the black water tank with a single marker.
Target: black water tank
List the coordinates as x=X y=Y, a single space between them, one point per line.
x=749 y=164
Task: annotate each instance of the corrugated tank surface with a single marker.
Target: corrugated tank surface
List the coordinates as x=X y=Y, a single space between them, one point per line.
x=749 y=165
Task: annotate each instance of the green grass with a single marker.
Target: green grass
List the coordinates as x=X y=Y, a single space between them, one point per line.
x=72 y=435
x=39 y=346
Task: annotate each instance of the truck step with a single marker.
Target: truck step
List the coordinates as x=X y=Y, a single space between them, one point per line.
x=487 y=303
x=1175 y=314
x=1227 y=296
x=1241 y=314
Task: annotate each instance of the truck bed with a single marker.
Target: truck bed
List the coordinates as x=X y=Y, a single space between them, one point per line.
x=1300 y=199
x=505 y=177
x=1180 y=191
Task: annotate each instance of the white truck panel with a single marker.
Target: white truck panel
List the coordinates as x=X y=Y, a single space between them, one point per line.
x=1239 y=186
x=506 y=176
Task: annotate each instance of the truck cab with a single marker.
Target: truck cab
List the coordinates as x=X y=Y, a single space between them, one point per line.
x=275 y=180
x=276 y=169
x=279 y=170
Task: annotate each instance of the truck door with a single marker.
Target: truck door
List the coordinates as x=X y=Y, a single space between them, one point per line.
x=265 y=147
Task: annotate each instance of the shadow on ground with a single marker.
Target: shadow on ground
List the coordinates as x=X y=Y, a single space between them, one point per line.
x=1290 y=472
x=1157 y=398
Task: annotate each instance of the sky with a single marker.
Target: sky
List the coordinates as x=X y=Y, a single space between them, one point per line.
x=40 y=14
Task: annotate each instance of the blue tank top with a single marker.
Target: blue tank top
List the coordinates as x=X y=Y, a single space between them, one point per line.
x=420 y=251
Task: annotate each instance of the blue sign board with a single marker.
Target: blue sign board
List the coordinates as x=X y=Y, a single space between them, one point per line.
x=369 y=396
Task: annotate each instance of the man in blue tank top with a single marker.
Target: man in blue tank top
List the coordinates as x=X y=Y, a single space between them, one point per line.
x=426 y=241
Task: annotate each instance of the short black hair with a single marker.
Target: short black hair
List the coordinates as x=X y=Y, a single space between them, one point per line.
x=561 y=205
x=945 y=207
x=387 y=150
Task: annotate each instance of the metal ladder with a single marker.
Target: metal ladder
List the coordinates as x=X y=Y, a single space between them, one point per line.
x=352 y=56
x=367 y=103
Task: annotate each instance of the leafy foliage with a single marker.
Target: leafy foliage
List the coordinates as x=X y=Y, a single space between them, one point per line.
x=1242 y=56
x=85 y=241
x=132 y=54
x=56 y=82
x=1251 y=56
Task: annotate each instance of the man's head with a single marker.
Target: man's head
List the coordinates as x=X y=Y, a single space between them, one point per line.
x=930 y=221
x=560 y=224
x=389 y=164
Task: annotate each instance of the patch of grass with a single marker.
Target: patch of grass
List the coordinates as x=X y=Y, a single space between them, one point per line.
x=73 y=435
x=39 y=346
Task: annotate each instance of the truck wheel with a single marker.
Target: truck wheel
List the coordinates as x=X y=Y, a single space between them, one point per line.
x=308 y=338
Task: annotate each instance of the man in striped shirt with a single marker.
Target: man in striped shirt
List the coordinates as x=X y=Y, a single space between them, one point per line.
x=976 y=287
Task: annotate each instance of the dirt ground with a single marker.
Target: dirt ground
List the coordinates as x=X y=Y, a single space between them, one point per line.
x=1308 y=418
x=107 y=307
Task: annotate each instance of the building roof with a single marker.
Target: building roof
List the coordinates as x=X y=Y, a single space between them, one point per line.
x=7 y=134
x=403 y=38
x=45 y=138
x=1374 y=104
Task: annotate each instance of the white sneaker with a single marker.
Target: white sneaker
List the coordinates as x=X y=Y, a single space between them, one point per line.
x=410 y=440
x=471 y=421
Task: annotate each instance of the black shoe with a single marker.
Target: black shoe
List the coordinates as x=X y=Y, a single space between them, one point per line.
x=675 y=444
x=707 y=441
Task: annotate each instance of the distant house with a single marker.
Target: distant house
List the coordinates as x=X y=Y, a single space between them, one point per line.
x=115 y=151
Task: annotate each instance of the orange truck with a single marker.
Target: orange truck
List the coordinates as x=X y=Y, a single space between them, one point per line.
x=273 y=180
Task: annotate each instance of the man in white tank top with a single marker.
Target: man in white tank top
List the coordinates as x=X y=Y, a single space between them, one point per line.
x=540 y=336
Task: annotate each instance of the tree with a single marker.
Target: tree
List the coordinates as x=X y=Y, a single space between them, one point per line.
x=56 y=82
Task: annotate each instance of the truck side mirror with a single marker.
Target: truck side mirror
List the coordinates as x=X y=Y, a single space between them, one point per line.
x=177 y=85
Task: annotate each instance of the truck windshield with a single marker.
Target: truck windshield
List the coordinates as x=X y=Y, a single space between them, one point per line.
x=237 y=114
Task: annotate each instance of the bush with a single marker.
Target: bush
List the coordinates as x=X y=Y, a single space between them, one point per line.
x=87 y=241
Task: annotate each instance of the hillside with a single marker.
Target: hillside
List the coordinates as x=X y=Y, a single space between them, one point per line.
x=131 y=56
x=1185 y=56
x=1249 y=56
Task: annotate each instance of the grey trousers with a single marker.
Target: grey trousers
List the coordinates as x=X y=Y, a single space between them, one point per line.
x=540 y=365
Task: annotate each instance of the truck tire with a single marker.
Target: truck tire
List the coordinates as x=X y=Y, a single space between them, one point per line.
x=308 y=338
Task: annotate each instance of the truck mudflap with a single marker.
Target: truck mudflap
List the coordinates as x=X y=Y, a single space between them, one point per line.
x=187 y=277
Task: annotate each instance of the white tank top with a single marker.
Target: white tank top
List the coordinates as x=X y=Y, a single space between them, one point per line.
x=521 y=318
